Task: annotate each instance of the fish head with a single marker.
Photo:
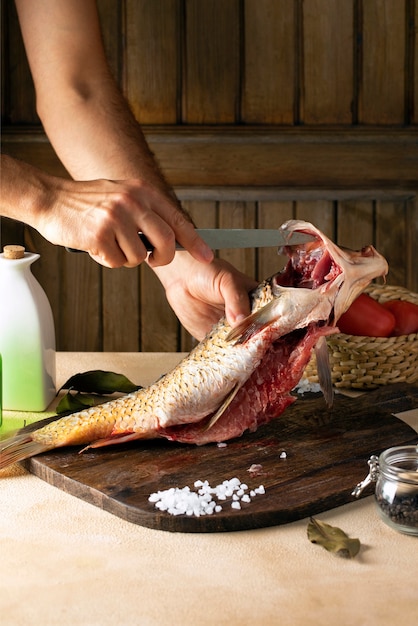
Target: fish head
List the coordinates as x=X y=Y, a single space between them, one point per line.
x=340 y=273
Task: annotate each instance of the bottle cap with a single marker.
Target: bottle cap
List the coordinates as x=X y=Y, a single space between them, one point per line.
x=14 y=252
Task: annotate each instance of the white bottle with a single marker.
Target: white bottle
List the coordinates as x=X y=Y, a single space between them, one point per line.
x=27 y=334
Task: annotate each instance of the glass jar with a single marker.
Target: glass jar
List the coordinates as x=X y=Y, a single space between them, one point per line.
x=396 y=475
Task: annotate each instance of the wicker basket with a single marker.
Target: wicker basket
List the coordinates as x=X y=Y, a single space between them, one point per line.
x=368 y=362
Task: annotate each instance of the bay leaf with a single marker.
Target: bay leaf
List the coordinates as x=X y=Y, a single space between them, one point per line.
x=332 y=539
x=73 y=402
x=101 y=382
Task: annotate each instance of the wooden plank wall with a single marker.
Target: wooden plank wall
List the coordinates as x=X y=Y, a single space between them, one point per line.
x=259 y=111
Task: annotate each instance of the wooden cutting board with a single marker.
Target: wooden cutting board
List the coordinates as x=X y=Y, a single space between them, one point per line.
x=326 y=456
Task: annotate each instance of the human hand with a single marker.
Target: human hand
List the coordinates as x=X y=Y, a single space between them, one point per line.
x=104 y=217
x=101 y=217
x=201 y=294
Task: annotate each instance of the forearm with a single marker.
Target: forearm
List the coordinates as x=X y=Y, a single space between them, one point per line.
x=23 y=191
x=103 y=140
x=85 y=116
x=96 y=136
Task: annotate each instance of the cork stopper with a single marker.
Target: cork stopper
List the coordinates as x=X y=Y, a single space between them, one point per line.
x=14 y=252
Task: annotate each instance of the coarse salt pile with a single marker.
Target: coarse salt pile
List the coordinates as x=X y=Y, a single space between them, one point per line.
x=205 y=500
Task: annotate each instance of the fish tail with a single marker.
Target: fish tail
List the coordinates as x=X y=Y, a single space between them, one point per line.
x=19 y=447
x=86 y=427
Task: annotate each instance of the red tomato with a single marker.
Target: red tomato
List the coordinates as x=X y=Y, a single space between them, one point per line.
x=367 y=317
x=406 y=316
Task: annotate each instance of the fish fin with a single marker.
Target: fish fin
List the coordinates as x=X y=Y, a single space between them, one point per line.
x=252 y=324
x=19 y=447
x=113 y=440
x=225 y=404
x=324 y=370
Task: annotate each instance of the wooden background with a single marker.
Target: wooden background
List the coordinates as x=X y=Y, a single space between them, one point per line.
x=258 y=111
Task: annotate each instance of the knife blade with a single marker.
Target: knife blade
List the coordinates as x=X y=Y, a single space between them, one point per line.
x=225 y=238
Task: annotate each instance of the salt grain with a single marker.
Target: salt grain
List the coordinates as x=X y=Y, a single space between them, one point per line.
x=305 y=386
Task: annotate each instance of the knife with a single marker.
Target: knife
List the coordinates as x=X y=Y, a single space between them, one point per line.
x=223 y=238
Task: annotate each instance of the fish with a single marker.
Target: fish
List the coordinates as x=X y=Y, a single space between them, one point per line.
x=235 y=379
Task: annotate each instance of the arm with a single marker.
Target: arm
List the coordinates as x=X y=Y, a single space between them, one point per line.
x=82 y=110
x=94 y=132
x=96 y=137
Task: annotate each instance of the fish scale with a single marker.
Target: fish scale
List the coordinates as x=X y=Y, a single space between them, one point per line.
x=235 y=378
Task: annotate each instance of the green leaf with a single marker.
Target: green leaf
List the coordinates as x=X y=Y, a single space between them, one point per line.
x=73 y=402
x=98 y=381
x=332 y=539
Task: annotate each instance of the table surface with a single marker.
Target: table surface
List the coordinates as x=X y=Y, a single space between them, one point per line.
x=65 y=561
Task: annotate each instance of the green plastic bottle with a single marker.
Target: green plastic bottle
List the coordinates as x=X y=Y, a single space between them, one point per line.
x=27 y=335
x=1 y=400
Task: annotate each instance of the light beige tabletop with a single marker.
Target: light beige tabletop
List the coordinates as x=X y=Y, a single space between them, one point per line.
x=64 y=561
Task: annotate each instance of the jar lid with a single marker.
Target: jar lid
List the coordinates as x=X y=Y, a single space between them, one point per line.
x=14 y=252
